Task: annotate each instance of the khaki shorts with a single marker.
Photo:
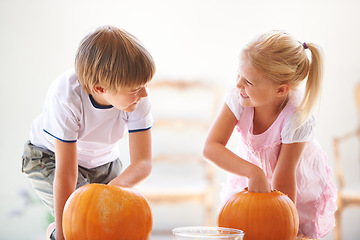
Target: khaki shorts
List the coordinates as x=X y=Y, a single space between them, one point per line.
x=38 y=164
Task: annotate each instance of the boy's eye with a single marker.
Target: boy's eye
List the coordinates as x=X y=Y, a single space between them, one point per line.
x=135 y=91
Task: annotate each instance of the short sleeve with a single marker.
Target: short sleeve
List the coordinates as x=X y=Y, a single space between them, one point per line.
x=232 y=100
x=60 y=117
x=302 y=134
x=141 y=119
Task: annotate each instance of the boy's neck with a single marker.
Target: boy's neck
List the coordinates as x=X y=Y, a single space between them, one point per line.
x=98 y=101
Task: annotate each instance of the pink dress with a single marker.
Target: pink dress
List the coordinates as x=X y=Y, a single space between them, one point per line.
x=316 y=193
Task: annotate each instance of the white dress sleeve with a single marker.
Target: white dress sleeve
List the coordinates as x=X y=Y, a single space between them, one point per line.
x=232 y=100
x=304 y=133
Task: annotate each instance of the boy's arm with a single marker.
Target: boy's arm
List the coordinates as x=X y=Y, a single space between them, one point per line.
x=140 y=160
x=215 y=150
x=284 y=178
x=66 y=172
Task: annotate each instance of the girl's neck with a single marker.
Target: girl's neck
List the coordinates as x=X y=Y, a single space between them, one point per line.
x=265 y=116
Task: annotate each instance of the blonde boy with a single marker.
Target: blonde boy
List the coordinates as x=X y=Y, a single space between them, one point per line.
x=86 y=112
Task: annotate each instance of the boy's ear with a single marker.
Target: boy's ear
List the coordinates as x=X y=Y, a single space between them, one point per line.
x=283 y=90
x=98 y=89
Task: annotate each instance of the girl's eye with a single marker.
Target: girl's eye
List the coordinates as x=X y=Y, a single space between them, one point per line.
x=248 y=83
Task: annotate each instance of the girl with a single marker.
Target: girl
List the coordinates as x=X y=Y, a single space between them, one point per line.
x=277 y=149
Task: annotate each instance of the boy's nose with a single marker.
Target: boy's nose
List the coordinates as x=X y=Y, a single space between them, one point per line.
x=144 y=92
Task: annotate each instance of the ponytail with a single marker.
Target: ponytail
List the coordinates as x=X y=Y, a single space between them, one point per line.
x=313 y=83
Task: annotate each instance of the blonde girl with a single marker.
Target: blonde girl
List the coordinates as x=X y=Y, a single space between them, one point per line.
x=277 y=149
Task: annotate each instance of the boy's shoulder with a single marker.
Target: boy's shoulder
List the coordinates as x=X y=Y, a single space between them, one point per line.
x=67 y=78
x=66 y=86
x=65 y=94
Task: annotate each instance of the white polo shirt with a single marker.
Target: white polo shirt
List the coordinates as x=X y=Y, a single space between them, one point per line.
x=71 y=115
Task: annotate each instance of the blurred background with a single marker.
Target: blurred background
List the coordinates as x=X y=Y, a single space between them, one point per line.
x=189 y=40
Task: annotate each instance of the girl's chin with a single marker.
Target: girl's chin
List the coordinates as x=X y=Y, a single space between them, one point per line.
x=245 y=102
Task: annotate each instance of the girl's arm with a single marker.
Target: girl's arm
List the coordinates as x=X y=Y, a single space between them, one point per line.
x=284 y=178
x=140 y=160
x=66 y=172
x=215 y=150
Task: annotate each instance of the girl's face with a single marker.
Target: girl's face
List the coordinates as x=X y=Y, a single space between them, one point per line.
x=255 y=89
x=126 y=99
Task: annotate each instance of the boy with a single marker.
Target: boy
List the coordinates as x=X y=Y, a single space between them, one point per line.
x=86 y=112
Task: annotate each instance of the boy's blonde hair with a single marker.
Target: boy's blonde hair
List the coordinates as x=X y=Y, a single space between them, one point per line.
x=283 y=59
x=112 y=58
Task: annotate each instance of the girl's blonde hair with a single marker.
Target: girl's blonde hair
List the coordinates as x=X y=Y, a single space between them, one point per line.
x=114 y=59
x=283 y=59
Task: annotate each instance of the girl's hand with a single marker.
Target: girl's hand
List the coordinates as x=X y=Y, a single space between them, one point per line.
x=258 y=182
x=215 y=151
x=303 y=237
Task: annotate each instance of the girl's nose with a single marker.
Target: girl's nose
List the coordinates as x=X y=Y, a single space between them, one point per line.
x=240 y=82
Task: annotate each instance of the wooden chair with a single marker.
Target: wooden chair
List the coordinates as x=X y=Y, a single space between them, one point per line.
x=182 y=114
x=346 y=196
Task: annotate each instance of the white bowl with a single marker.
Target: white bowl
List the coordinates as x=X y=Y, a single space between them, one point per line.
x=200 y=233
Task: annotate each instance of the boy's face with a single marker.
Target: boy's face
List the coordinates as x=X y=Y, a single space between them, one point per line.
x=127 y=99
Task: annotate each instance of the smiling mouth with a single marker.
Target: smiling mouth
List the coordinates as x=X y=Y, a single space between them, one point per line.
x=244 y=95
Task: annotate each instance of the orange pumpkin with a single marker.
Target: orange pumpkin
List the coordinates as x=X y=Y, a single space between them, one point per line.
x=99 y=211
x=270 y=216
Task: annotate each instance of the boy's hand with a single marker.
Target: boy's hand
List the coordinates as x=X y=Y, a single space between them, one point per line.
x=118 y=182
x=140 y=160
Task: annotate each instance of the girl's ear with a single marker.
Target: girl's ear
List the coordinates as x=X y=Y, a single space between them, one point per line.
x=283 y=90
x=98 y=89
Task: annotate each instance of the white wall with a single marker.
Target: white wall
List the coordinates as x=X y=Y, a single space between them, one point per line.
x=189 y=39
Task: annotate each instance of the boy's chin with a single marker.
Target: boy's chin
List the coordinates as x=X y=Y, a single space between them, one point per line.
x=130 y=108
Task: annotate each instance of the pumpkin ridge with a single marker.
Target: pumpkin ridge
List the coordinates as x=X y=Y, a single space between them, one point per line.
x=70 y=206
x=76 y=197
x=89 y=193
x=282 y=219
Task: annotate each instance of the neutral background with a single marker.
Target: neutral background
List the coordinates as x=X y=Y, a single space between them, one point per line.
x=189 y=39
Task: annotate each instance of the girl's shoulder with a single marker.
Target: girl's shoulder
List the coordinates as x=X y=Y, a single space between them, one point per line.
x=232 y=100
x=290 y=133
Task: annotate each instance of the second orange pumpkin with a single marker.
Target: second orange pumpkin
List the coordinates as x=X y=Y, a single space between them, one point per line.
x=262 y=216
